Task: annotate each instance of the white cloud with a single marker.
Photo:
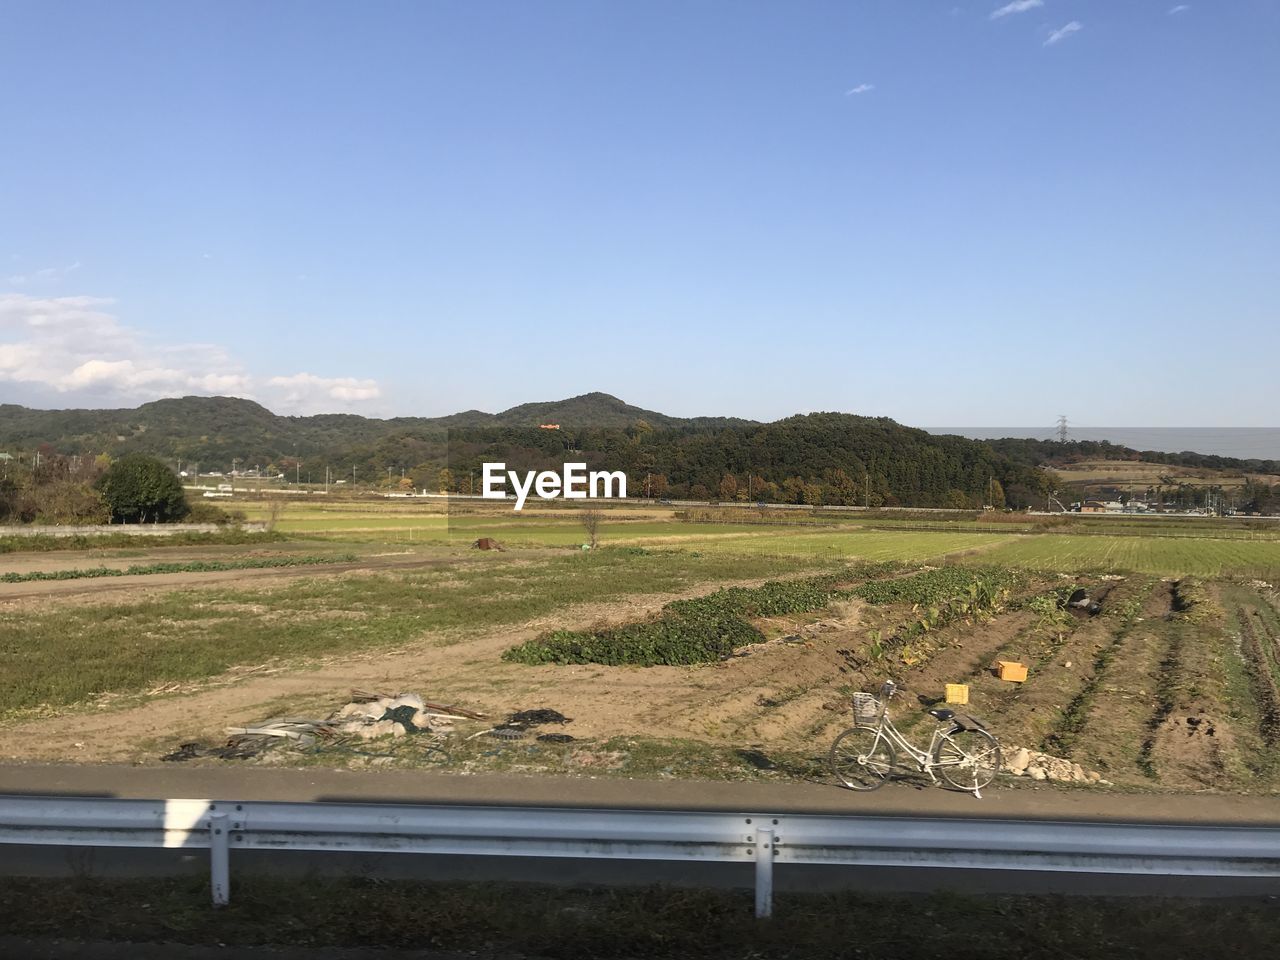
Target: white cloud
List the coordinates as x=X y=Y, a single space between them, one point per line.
x=74 y=350
x=860 y=88
x=1075 y=26
x=1017 y=6
x=308 y=390
x=1180 y=8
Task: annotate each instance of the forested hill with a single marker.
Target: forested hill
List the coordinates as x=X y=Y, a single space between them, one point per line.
x=213 y=430
x=828 y=458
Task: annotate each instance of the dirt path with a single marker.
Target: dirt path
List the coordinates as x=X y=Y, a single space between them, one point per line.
x=606 y=701
x=134 y=587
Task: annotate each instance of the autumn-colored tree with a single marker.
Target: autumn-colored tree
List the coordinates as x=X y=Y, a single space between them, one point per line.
x=728 y=487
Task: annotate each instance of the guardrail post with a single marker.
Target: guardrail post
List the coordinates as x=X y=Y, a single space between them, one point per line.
x=219 y=859
x=764 y=872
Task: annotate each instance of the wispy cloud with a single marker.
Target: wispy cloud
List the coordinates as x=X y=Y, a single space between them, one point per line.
x=1180 y=8
x=1075 y=26
x=1017 y=6
x=40 y=276
x=75 y=350
x=307 y=390
x=860 y=88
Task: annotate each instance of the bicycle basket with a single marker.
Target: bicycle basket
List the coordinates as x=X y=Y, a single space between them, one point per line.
x=866 y=708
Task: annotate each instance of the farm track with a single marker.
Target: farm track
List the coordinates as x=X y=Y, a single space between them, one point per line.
x=95 y=587
x=1192 y=742
x=1063 y=739
x=1027 y=714
x=1263 y=675
x=1114 y=726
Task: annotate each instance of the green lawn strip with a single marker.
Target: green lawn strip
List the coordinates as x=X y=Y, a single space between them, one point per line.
x=576 y=923
x=43 y=543
x=1163 y=556
x=190 y=566
x=851 y=544
x=53 y=658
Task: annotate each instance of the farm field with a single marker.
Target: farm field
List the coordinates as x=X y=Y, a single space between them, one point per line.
x=1137 y=475
x=1188 y=632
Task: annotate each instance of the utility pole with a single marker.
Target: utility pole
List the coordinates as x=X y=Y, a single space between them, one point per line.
x=326 y=479
x=866 y=477
x=1062 y=428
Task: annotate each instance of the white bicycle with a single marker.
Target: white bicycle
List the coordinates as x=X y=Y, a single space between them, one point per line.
x=960 y=750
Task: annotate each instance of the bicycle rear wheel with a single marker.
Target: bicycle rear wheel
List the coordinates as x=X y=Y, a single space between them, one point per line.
x=861 y=758
x=968 y=759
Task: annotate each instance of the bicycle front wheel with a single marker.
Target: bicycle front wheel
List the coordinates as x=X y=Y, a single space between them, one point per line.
x=861 y=758
x=968 y=759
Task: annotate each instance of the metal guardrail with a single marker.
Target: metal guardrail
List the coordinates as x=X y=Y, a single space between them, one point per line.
x=762 y=839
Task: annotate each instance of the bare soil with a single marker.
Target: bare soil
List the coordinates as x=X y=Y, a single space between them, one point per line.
x=1060 y=663
x=1119 y=720
x=604 y=701
x=130 y=588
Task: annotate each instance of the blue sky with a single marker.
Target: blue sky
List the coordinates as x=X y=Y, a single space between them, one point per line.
x=919 y=210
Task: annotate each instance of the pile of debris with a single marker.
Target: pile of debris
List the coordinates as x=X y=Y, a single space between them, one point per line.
x=1042 y=766
x=368 y=716
x=518 y=725
x=372 y=715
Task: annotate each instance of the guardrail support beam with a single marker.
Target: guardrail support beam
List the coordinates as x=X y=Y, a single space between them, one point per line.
x=219 y=859
x=764 y=872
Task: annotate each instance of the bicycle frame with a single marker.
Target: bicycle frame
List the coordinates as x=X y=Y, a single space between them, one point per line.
x=923 y=758
x=928 y=759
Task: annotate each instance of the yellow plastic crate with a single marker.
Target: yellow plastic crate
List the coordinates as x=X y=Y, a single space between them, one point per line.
x=958 y=693
x=1012 y=671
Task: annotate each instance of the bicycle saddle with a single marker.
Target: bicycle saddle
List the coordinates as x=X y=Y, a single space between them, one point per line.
x=942 y=713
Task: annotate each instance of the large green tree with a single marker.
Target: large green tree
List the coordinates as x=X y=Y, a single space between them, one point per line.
x=141 y=489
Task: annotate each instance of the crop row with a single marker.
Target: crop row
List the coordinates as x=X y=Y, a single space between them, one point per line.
x=938 y=586
x=194 y=566
x=699 y=630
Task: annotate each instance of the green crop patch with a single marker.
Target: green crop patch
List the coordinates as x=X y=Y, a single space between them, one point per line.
x=700 y=630
x=934 y=587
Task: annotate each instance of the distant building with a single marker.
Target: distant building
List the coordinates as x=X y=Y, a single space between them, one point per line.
x=548 y=426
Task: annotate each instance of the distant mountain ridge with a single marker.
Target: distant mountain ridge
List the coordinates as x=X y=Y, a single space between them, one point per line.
x=213 y=427
x=831 y=458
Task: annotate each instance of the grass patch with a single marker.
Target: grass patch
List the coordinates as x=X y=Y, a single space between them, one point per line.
x=565 y=923
x=1163 y=556
x=54 y=658
x=192 y=566
x=41 y=543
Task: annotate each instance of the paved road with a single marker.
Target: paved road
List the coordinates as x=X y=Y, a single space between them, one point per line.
x=406 y=786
